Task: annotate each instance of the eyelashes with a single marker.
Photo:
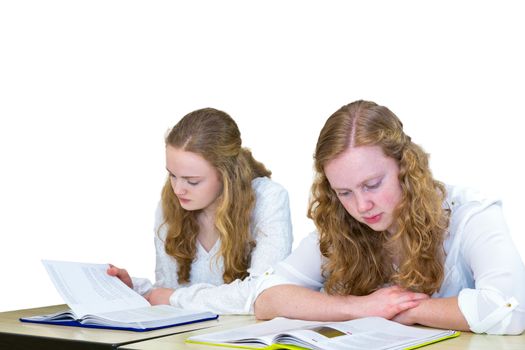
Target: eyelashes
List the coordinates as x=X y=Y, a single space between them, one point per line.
x=366 y=187
x=191 y=183
x=372 y=186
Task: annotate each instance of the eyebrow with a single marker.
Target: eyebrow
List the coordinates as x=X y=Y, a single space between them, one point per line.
x=185 y=177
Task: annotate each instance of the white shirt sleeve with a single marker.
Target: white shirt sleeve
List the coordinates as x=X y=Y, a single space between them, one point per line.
x=272 y=230
x=303 y=267
x=497 y=303
x=271 y=226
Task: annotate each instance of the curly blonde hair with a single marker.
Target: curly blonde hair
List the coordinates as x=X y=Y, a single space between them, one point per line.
x=360 y=260
x=214 y=135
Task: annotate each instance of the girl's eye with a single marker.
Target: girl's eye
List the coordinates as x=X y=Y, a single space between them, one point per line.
x=193 y=183
x=343 y=193
x=373 y=186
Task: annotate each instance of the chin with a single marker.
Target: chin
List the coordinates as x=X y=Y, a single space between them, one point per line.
x=187 y=207
x=192 y=207
x=378 y=227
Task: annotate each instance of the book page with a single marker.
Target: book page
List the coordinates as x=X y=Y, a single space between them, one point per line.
x=152 y=313
x=262 y=332
x=365 y=333
x=369 y=333
x=88 y=289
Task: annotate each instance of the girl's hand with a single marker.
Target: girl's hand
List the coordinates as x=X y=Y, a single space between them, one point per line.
x=122 y=274
x=386 y=302
x=405 y=317
x=159 y=296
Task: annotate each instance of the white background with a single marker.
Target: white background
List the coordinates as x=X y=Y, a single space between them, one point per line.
x=88 y=89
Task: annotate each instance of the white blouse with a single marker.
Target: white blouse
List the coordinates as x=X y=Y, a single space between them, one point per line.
x=272 y=230
x=482 y=266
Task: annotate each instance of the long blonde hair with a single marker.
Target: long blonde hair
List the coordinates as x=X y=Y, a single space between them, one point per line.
x=214 y=135
x=360 y=260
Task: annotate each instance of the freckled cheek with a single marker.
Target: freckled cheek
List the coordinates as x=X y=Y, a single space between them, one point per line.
x=350 y=209
x=391 y=200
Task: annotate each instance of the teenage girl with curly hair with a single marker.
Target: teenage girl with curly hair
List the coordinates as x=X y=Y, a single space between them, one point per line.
x=393 y=242
x=221 y=220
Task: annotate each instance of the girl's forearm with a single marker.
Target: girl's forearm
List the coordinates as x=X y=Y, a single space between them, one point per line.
x=301 y=303
x=436 y=312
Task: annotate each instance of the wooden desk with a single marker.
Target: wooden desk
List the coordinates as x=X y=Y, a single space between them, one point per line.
x=17 y=335
x=466 y=340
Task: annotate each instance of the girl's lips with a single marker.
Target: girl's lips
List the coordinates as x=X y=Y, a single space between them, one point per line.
x=373 y=219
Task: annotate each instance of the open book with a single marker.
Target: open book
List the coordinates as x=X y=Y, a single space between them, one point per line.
x=365 y=333
x=98 y=300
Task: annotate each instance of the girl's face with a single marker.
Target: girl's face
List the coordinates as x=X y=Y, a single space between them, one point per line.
x=195 y=182
x=366 y=182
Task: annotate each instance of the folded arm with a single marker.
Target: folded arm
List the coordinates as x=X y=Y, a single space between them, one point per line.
x=496 y=304
x=302 y=303
x=292 y=289
x=437 y=312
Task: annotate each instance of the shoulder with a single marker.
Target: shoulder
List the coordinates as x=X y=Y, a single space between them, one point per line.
x=461 y=195
x=465 y=202
x=307 y=248
x=269 y=193
x=310 y=242
x=311 y=239
x=470 y=210
x=304 y=264
x=270 y=215
x=265 y=186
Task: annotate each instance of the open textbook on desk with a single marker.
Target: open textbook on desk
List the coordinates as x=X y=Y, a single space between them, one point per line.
x=368 y=333
x=98 y=300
